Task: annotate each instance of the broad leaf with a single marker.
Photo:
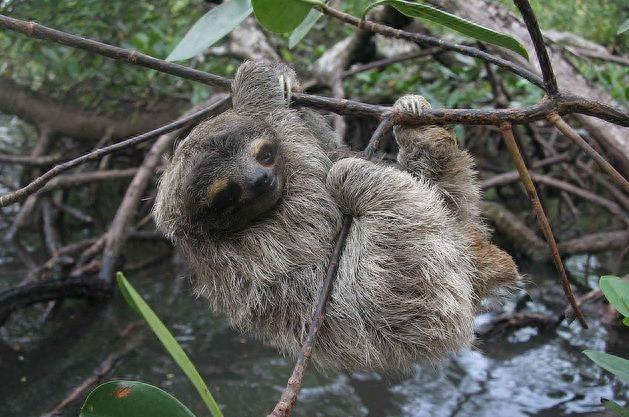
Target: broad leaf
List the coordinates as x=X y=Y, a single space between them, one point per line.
x=139 y=305
x=623 y=28
x=132 y=399
x=210 y=28
x=614 y=364
x=281 y=16
x=302 y=30
x=453 y=22
x=616 y=408
x=616 y=291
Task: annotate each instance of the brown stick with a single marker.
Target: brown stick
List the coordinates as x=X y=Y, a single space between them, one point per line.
x=39 y=182
x=287 y=401
x=581 y=143
x=561 y=104
x=426 y=40
x=507 y=132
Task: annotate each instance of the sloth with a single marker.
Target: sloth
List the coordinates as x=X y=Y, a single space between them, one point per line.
x=255 y=197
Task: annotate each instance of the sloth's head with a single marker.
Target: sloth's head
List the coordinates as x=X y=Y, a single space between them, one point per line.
x=234 y=174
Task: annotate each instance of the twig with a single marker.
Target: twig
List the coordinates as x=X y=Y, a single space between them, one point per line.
x=287 y=401
x=507 y=132
x=550 y=82
x=94 y=155
x=392 y=60
x=426 y=40
x=561 y=104
x=573 y=136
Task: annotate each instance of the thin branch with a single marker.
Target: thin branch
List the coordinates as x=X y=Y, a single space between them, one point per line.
x=562 y=105
x=550 y=82
x=581 y=143
x=35 y=30
x=287 y=401
x=39 y=182
x=392 y=60
x=426 y=40
x=507 y=132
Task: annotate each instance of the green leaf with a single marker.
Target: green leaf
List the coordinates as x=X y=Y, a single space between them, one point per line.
x=616 y=408
x=282 y=16
x=623 y=28
x=302 y=30
x=210 y=28
x=614 y=364
x=132 y=399
x=139 y=305
x=625 y=321
x=616 y=291
x=453 y=22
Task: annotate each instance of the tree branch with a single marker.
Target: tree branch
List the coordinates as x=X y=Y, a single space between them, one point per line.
x=507 y=132
x=40 y=181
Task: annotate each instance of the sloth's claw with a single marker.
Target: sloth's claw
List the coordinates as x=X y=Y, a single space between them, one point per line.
x=286 y=84
x=411 y=103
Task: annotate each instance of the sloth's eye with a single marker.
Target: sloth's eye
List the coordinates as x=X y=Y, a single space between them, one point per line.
x=265 y=154
x=223 y=194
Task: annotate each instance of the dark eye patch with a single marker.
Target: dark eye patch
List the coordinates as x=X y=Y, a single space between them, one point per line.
x=265 y=153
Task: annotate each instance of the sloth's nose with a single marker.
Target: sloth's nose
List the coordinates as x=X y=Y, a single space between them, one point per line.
x=260 y=180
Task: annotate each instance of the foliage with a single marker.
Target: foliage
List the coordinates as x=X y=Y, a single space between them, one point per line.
x=95 y=82
x=132 y=399
x=616 y=291
x=107 y=400
x=453 y=22
x=212 y=27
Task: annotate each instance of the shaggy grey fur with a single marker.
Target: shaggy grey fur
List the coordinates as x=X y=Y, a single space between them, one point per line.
x=415 y=264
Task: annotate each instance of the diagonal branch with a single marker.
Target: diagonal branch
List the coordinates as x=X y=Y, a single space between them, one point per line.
x=597 y=157
x=507 y=132
x=550 y=82
x=39 y=182
x=426 y=40
x=287 y=401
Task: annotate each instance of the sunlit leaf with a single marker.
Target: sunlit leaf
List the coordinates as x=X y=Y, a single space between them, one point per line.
x=132 y=399
x=282 y=16
x=614 y=364
x=210 y=28
x=616 y=408
x=302 y=30
x=624 y=27
x=616 y=291
x=453 y=22
x=139 y=305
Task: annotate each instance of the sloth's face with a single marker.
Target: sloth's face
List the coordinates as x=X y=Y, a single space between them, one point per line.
x=237 y=179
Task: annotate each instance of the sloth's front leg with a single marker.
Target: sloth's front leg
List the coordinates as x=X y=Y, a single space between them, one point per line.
x=431 y=152
x=261 y=87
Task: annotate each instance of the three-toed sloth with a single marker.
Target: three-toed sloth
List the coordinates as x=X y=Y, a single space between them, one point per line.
x=255 y=198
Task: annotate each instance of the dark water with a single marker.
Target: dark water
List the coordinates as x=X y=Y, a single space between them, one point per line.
x=523 y=373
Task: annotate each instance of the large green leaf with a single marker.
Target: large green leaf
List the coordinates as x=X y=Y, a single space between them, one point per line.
x=139 y=305
x=132 y=399
x=614 y=364
x=282 y=16
x=616 y=291
x=453 y=22
x=304 y=27
x=623 y=28
x=616 y=408
x=210 y=28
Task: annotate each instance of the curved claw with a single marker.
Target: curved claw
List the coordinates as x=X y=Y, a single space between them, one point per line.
x=286 y=85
